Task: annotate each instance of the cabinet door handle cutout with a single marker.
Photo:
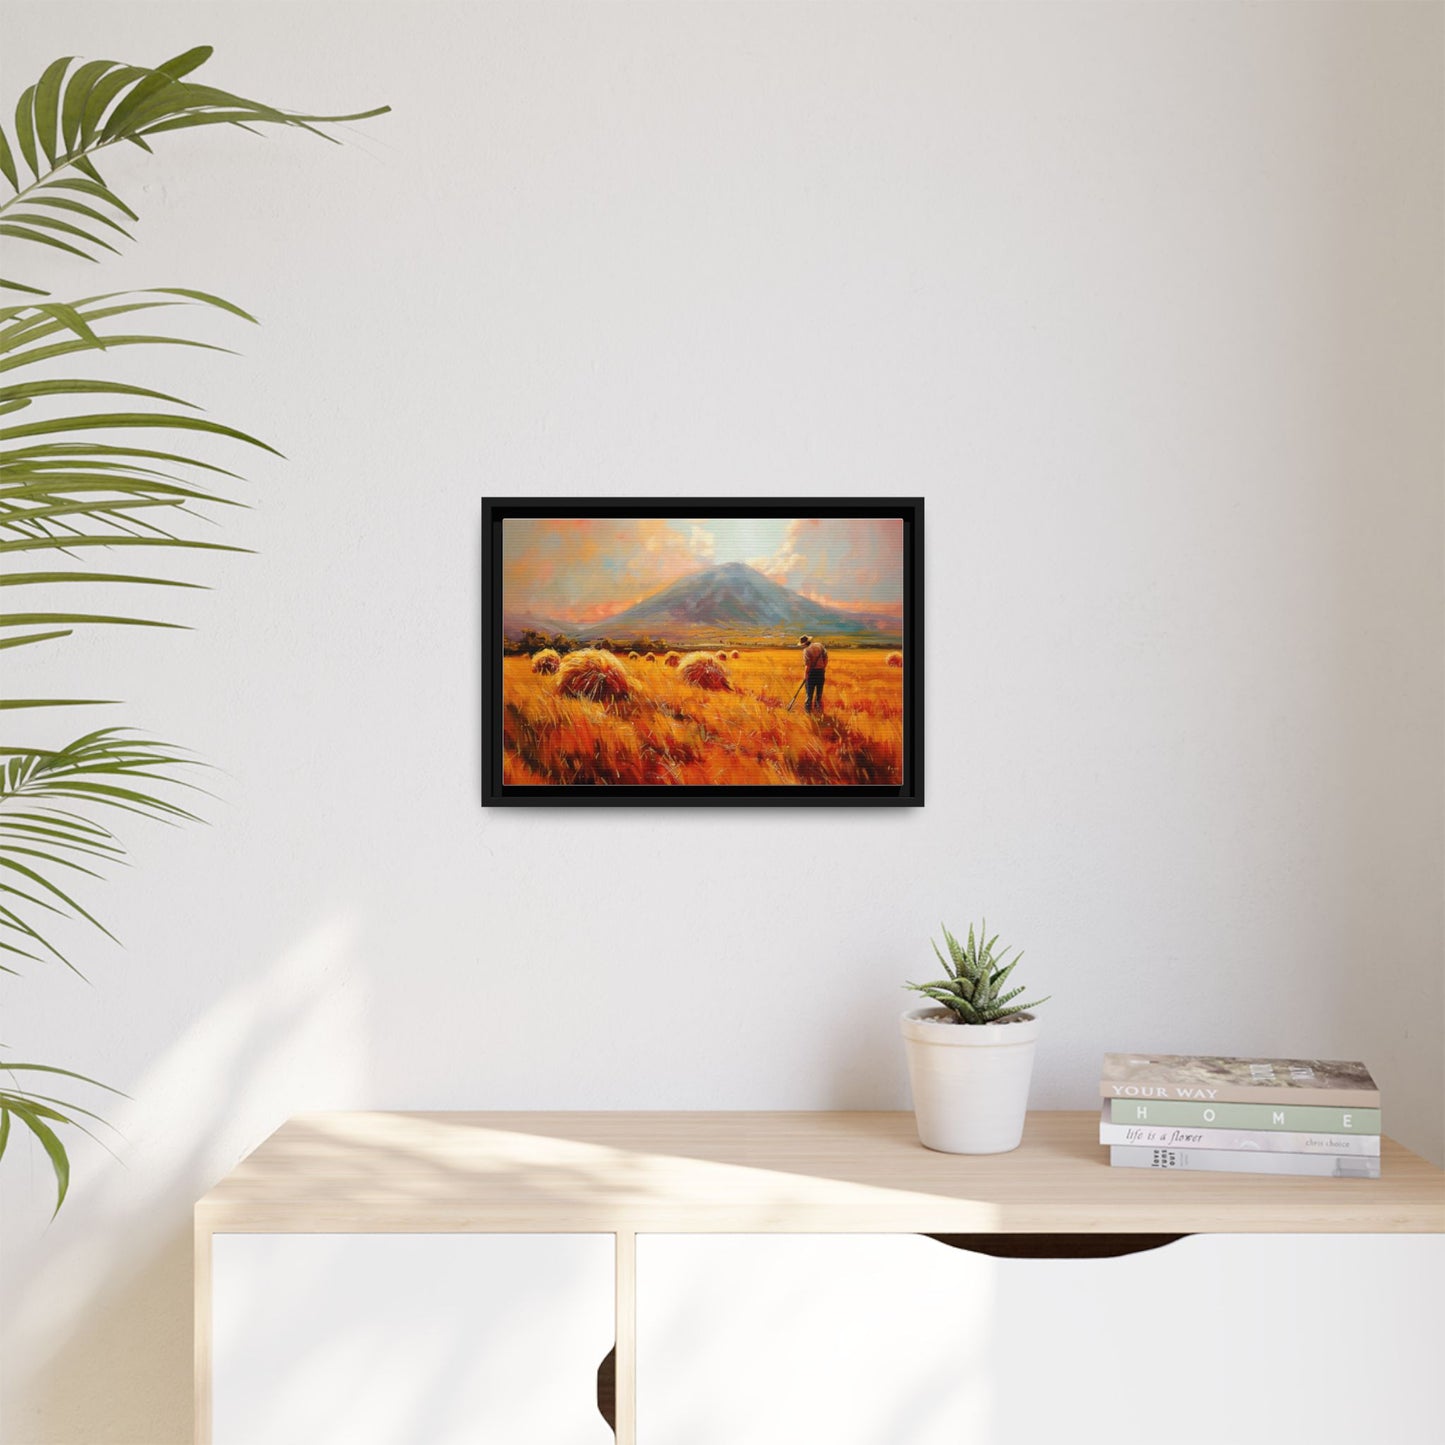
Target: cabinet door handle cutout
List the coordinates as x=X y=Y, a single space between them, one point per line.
x=1056 y=1246
x=607 y=1389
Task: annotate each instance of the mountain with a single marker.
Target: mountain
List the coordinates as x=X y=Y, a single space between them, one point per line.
x=735 y=603
x=516 y=623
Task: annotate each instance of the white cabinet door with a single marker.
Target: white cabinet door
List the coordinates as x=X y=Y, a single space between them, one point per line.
x=410 y=1339
x=807 y=1340
x=900 y=1340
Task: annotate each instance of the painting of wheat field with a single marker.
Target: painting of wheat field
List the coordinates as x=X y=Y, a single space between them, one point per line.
x=693 y=653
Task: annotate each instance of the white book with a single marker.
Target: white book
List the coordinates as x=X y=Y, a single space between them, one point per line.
x=1235 y=1161
x=1263 y=1141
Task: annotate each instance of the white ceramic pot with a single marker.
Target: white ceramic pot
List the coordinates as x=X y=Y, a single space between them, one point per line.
x=970 y=1081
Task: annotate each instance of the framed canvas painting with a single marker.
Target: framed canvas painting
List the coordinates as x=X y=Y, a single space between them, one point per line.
x=686 y=652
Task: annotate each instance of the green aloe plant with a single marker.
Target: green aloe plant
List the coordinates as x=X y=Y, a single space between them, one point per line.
x=92 y=471
x=974 y=987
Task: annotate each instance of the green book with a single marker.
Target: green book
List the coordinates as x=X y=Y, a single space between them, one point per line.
x=1306 y=1118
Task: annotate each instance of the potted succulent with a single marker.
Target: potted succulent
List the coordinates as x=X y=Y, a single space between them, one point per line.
x=970 y=1058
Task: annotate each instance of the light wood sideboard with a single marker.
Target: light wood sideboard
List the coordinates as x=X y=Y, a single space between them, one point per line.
x=704 y=1240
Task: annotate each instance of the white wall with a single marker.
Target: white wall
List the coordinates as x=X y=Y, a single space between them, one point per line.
x=1146 y=300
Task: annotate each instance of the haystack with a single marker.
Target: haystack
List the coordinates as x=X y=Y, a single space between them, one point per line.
x=895 y=659
x=722 y=657
x=593 y=674
x=673 y=658
x=634 y=656
x=650 y=657
x=736 y=653
x=702 y=670
x=546 y=661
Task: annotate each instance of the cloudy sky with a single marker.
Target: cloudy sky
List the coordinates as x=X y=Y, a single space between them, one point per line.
x=581 y=569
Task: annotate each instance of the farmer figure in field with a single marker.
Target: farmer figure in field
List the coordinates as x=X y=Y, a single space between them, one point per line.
x=815 y=668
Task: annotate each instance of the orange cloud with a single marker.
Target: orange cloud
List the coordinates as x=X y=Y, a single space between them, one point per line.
x=581 y=569
x=851 y=562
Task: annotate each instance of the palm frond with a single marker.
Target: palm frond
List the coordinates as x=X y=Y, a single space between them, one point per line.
x=41 y=1113
x=63 y=490
x=76 y=110
x=40 y=831
x=74 y=482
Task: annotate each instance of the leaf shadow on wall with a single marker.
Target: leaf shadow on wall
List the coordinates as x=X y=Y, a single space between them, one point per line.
x=98 y=1337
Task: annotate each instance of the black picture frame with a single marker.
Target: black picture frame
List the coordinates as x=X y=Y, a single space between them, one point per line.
x=909 y=793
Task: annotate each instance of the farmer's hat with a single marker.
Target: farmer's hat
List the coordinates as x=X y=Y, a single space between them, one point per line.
x=804 y=640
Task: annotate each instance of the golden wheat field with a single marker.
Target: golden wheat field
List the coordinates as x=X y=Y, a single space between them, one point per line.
x=670 y=731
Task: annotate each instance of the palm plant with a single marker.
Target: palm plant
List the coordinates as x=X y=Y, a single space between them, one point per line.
x=76 y=483
x=974 y=987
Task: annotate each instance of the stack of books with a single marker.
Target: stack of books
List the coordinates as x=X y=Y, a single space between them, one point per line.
x=1241 y=1116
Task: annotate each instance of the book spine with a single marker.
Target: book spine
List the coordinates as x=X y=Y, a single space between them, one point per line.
x=1230 y=1161
x=1297 y=1118
x=1266 y=1141
x=1240 y=1094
